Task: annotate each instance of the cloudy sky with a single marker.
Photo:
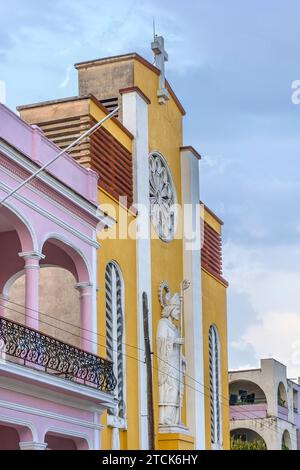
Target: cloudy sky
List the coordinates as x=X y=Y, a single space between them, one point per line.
x=232 y=64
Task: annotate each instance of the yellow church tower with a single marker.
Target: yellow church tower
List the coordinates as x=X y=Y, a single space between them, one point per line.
x=161 y=258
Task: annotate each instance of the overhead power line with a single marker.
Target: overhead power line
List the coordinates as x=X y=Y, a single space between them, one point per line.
x=70 y=146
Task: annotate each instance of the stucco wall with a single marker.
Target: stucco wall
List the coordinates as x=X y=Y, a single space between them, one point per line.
x=215 y=313
x=59 y=304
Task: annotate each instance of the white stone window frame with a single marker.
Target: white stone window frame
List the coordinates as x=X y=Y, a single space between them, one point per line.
x=215 y=388
x=114 y=419
x=174 y=193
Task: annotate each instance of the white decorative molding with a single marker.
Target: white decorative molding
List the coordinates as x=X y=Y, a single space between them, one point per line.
x=20 y=216
x=103 y=399
x=66 y=432
x=48 y=414
x=31 y=255
x=38 y=391
x=83 y=285
x=51 y=181
x=49 y=216
x=60 y=237
x=116 y=422
x=20 y=422
x=33 y=445
x=173 y=430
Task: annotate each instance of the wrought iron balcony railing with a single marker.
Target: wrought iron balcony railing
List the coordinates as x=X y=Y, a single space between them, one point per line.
x=54 y=356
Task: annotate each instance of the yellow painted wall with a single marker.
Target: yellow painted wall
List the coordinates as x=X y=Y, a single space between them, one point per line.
x=124 y=253
x=165 y=135
x=214 y=308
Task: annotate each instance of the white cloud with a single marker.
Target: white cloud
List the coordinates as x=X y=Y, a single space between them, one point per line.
x=239 y=345
x=65 y=82
x=270 y=276
x=278 y=336
x=243 y=367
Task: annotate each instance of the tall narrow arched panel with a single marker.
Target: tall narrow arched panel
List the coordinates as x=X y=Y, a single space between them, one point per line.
x=215 y=387
x=115 y=331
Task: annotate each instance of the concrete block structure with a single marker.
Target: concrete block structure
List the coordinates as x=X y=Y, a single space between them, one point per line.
x=264 y=404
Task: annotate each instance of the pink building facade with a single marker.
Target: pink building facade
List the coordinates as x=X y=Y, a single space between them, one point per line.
x=52 y=394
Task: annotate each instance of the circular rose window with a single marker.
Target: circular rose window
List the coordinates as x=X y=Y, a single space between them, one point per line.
x=162 y=197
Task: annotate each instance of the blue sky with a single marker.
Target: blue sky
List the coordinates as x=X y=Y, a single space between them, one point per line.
x=232 y=64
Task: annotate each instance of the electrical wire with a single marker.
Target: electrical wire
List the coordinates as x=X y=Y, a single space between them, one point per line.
x=252 y=415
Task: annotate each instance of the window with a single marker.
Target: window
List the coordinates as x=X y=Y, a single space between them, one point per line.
x=215 y=388
x=162 y=197
x=115 y=332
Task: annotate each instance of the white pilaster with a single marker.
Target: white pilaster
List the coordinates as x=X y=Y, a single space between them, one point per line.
x=135 y=119
x=193 y=296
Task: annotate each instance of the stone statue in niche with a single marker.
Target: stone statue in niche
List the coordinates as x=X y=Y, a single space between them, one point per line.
x=171 y=363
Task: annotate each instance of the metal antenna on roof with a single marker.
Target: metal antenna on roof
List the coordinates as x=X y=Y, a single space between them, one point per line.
x=154 y=33
x=154 y=36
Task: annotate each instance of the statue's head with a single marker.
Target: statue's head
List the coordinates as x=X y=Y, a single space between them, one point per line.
x=171 y=307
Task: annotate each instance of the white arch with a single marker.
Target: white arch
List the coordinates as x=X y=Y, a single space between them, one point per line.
x=281 y=389
x=64 y=240
x=23 y=219
x=286 y=439
x=252 y=382
x=20 y=422
x=68 y=433
x=250 y=427
x=10 y=282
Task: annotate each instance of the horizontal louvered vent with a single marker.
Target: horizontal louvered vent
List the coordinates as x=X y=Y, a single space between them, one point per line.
x=110 y=104
x=211 y=253
x=114 y=164
x=101 y=152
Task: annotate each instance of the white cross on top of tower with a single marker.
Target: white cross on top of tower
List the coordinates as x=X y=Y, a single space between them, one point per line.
x=161 y=56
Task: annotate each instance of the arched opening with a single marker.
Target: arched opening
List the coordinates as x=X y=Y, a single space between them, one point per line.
x=59 y=303
x=11 y=220
x=60 y=253
x=56 y=308
x=56 y=441
x=59 y=309
x=246 y=439
x=282 y=396
x=12 y=434
x=286 y=443
x=245 y=392
x=15 y=237
x=9 y=438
